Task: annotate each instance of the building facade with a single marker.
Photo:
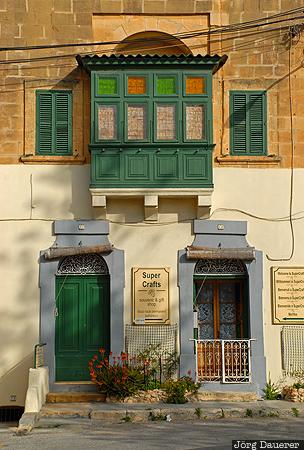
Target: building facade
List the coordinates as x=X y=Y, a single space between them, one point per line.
x=147 y=142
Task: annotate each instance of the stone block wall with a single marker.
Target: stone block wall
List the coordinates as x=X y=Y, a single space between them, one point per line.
x=256 y=61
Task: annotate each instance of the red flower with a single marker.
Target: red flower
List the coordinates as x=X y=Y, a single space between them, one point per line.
x=101 y=350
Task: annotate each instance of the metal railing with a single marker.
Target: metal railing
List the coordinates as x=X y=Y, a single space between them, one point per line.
x=224 y=360
x=39 y=355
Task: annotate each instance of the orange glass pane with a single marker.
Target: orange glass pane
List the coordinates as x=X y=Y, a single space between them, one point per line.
x=195 y=85
x=136 y=85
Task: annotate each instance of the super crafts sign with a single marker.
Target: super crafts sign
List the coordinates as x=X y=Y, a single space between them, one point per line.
x=150 y=295
x=288 y=295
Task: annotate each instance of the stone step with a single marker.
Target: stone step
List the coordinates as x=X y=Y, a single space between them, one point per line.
x=226 y=396
x=75 y=397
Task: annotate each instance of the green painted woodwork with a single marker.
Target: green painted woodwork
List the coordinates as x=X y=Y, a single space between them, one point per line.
x=82 y=325
x=107 y=86
x=160 y=157
x=248 y=133
x=151 y=166
x=210 y=63
x=166 y=85
x=54 y=122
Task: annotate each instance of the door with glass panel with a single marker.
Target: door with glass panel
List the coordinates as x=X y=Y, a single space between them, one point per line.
x=220 y=309
x=221 y=315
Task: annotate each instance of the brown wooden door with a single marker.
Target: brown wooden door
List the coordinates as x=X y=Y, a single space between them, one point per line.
x=220 y=309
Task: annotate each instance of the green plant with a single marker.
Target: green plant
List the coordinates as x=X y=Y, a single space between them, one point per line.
x=198 y=412
x=176 y=389
x=126 y=418
x=298 y=385
x=295 y=412
x=117 y=378
x=157 y=417
x=222 y=413
x=151 y=384
x=273 y=414
x=162 y=365
x=248 y=413
x=271 y=390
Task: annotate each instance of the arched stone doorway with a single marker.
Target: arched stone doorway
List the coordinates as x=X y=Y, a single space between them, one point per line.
x=218 y=236
x=110 y=265
x=82 y=323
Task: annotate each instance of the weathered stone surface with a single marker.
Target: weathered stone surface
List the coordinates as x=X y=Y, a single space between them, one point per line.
x=132 y=6
x=110 y=6
x=151 y=6
x=178 y=6
x=293 y=394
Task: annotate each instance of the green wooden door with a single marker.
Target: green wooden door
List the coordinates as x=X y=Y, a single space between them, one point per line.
x=82 y=323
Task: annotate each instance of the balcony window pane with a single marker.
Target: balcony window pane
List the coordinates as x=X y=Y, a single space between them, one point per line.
x=195 y=122
x=107 y=122
x=107 y=86
x=137 y=119
x=137 y=85
x=166 y=86
x=166 y=122
x=195 y=85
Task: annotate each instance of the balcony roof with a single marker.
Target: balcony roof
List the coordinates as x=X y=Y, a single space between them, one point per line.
x=206 y=62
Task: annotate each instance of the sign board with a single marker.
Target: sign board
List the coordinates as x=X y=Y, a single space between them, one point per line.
x=150 y=295
x=288 y=295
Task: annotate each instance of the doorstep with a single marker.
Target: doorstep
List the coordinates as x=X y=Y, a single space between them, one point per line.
x=75 y=397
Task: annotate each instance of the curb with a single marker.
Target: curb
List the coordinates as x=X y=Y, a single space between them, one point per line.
x=159 y=412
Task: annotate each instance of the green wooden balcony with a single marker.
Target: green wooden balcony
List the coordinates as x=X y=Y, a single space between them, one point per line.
x=151 y=167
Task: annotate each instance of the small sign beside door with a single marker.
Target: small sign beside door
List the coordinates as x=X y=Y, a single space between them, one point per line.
x=288 y=295
x=150 y=295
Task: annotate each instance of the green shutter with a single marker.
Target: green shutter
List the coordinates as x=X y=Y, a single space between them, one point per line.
x=62 y=123
x=238 y=123
x=256 y=123
x=54 y=123
x=248 y=123
x=44 y=123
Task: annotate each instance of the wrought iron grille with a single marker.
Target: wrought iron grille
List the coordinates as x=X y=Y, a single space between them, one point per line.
x=219 y=267
x=227 y=361
x=83 y=265
x=11 y=413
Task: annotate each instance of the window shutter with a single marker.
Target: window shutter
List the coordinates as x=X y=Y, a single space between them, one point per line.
x=44 y=123
x=256 y=123
x=63 y=123
x=238 y=123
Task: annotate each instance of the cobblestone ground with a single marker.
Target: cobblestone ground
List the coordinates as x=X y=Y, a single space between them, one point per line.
x=82 y=434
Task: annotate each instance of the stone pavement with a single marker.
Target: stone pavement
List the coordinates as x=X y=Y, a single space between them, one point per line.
x=63 y=433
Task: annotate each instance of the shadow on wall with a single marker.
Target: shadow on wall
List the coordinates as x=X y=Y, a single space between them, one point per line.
x=62 y=192
x=20 y=315
x=14 y=383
